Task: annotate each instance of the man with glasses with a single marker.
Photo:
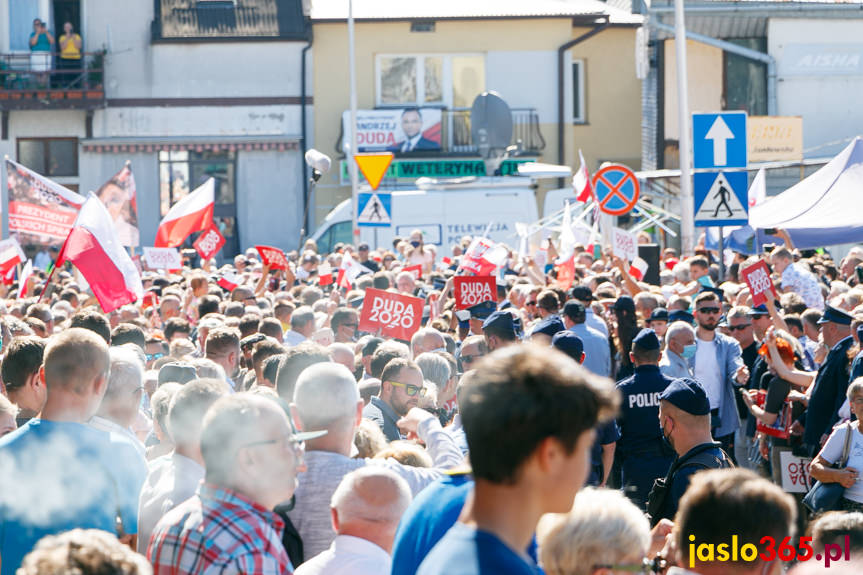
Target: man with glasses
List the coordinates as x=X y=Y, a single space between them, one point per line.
x=229 y=525
x=718 y=368
x=742 y=322
x=401 y=387
x=344 y=324
x=473 y=348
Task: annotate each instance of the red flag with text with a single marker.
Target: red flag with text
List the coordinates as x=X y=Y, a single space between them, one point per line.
x=757 y=277
x=483 y=256
x=273 y=257
x=566 y=274
x=395 y=315
x=209 y=242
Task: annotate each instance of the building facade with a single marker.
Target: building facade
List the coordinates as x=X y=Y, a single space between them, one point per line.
x=184 y=90
x=566 y=71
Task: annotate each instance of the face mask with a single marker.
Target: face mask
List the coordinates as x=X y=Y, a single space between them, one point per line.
x=689 y=351
x=666 y=438
x=415 y=244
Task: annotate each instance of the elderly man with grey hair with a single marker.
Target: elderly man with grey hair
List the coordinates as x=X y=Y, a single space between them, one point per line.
x=326 y=397
x=426 y=340
x=679 y=348
x=119 y=406
x=437 y=370
x=302 y=326
x=174 y=478
x=365 y=508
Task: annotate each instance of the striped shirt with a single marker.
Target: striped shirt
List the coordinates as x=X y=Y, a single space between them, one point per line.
x=218 y=531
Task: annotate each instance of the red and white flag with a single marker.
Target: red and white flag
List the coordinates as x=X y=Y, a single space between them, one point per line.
x=325 y=274
x=581 y=181
x=349 y=271
x=11 y=255
x=96 y=251
x=638 y=268
x=194 y=213
x=229 y=281
x=483 y=256
x=24 y=279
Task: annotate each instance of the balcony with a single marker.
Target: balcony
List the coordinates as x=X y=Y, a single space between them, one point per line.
x=228 y=20
x=33 y=84
x=456 y=139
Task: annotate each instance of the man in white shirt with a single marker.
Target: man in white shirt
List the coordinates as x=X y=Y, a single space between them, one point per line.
x=119 y=407
x=174 y=478
x=302 y=326
x=366 y=508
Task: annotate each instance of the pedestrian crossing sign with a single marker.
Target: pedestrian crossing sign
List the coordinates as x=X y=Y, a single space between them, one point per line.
x=721 y=199
x=374 y=210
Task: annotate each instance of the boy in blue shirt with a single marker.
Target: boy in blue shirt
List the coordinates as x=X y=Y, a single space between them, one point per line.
x=529 y=416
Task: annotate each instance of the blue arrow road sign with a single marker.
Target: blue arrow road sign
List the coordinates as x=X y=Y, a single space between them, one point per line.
x=719 y=140
x=721 y=199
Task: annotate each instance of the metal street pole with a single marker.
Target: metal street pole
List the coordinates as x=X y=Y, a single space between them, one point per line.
x=687 y=202
x=352 y=165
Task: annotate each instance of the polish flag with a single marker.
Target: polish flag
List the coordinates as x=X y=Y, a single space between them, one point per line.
x=229 y=281
x=11 y=255
x=325 y=274
x=483 y=257
x=9 y=277
x=194 y=213
x=581 y=181
x=94 y=248
x=349 y=271
x=24 y=279
x=638 y=268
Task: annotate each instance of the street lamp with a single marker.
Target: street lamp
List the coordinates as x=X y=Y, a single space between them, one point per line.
x=320 y=164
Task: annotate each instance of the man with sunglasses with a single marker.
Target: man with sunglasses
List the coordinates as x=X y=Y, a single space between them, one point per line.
x=344 y=324
x=473 y=348
x=401 y=387
x=718 y=367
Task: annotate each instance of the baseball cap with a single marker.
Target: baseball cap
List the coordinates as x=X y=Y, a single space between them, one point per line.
x=549 y=326
x=177 y=372
x=582 y=292
x=568 y=343
x=624 y=303
x=658 y=314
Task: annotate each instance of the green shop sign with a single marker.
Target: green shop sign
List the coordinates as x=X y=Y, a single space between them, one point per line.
x=412 y=169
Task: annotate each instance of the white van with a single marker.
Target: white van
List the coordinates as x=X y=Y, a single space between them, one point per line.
x=444 y=211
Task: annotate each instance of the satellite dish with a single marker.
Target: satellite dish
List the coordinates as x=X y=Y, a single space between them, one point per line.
x=490 y=123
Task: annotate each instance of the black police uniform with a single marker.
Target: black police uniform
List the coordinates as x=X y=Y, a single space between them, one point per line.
x=687 y=395
x=643 y=454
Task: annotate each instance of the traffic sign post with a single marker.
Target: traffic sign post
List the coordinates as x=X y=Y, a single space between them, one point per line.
x=719 y=140
x=373 y=167
x=374 y=210
x=616 y=189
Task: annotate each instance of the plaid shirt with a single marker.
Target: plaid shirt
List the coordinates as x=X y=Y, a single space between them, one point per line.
x=218 y=531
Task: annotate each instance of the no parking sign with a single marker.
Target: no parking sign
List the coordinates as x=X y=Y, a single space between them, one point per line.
x=616 y=189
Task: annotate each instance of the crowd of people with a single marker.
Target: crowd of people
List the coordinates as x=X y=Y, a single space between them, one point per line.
x=597 y=425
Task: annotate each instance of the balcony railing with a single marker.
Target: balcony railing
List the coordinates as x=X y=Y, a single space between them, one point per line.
x=40 y=80
x=456 y=138
x=178 y=20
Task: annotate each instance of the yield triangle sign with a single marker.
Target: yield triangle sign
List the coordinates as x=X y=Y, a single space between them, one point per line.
x=374 y=166
x=721 y=203
x=374 y=212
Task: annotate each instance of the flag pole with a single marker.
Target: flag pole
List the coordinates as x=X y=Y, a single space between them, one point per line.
x=47 y=283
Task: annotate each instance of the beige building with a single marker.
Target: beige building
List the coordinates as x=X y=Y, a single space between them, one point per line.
x=566 y=70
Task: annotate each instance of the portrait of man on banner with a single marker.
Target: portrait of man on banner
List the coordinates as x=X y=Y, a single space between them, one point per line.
x=119 y=196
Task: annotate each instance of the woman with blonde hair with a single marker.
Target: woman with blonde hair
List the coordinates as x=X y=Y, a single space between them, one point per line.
x=604 y=533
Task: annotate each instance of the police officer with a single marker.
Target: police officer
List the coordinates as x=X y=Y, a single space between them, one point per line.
x=684 y=414
x=644 y=457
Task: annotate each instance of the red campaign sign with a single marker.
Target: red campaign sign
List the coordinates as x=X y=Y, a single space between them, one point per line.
x=566 y=274
x=758 y=279
x=395 y=315
x=209 y=242
x=470 y=291
x=416 y=270
x=273 y=257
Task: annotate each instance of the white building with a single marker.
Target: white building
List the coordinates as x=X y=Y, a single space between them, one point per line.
x=190 y=89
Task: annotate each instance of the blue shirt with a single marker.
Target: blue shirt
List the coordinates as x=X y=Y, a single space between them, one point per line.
x=427 y=520
x=640 y=433
x=381 y=413
x=597 y=353
x=606 y=433
x=56 y=476
x=468 y=551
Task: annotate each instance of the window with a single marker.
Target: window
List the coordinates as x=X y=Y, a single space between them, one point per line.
x=423 y=80
x=181 y=171
x=51 y=157
x=746 y=80
x=578 y=112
